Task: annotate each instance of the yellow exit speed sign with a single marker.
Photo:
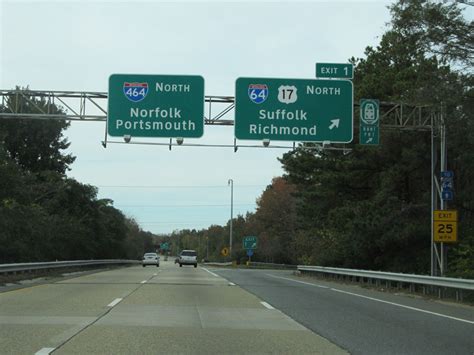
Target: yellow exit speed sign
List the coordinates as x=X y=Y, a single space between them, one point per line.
x=445 y=226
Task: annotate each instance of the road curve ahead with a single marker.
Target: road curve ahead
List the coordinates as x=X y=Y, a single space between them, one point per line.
x=360 y=320
x=148 y=310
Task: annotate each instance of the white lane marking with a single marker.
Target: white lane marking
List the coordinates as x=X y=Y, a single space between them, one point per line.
x=301 y=282
x=143 y=282
x=210 y=272
x=231 y=284
x=403 y=306
x=266 y=305
x=155 y=274
x=114 y=302
x=378 y=300
x=44 y=351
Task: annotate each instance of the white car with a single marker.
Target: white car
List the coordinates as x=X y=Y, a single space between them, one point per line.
x=151 y=259
x=188 y=257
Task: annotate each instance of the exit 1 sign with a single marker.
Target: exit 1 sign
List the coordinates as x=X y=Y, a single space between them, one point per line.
x=334 y=70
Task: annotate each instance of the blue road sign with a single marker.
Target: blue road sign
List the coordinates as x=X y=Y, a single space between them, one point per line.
x=447 y=195
x=249 y=252
x=447 y=174
x=447 y=185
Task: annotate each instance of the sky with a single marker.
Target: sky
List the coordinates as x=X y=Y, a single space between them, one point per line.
x=71 y=45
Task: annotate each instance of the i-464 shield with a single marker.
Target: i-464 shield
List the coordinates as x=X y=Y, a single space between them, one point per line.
x=135 y=92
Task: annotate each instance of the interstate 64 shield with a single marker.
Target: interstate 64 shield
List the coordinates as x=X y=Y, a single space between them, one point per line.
x=311 y=110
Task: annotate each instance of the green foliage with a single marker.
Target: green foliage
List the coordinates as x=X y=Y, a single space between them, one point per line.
x=35 y=145
x=371 y=209
x=438 y=30
x=43 y=214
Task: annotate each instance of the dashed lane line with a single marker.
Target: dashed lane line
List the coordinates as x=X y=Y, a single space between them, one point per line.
x=266 y=305
x=114 y=302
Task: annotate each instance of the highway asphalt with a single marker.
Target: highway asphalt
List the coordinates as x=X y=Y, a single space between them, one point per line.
x=150 y=310
x=361 y=320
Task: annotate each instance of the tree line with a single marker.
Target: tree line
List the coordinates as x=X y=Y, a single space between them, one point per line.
x=44 y=215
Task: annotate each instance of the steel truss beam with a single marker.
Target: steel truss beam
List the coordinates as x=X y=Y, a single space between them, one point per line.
x=92 y=106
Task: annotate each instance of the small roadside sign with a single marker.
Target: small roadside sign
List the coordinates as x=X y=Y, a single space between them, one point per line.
x=250 y=242
x=445 y=226
x=369 y=122
x=447 y=185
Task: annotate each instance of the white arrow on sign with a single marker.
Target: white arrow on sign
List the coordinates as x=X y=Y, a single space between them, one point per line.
x=334 y=123
x=369 y=140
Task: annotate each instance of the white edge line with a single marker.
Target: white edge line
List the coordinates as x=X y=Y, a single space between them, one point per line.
x=143 y=282
x=378 y=300
x=210 y=272
x=44 y=351
x=301 y=282
x=403 y=306
x=266 y=305
x=114 y=302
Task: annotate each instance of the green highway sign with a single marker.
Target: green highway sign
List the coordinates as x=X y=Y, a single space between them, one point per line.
x=307 y=110
x=156 y=106
x=369 y=122
x=250 y=242
x=334 y=70
x=164 y=246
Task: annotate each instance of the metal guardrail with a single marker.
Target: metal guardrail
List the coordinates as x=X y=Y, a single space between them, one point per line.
x=412 y=279
x=253 y=264
x=217 y=264
x=23 y=267
x=272 y=266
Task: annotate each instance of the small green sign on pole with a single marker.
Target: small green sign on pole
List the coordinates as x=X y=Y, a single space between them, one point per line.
x=250 y=242
x=335 y=70
x=170 y=106
x=369 y=122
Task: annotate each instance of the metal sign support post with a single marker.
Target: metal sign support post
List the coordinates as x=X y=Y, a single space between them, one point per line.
x=444 y=249
x=438 y=258
x=231 y=183
x=434 y=200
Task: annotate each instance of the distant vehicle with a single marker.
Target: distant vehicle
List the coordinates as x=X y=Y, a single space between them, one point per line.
x=151 y=259
x=188 y=257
